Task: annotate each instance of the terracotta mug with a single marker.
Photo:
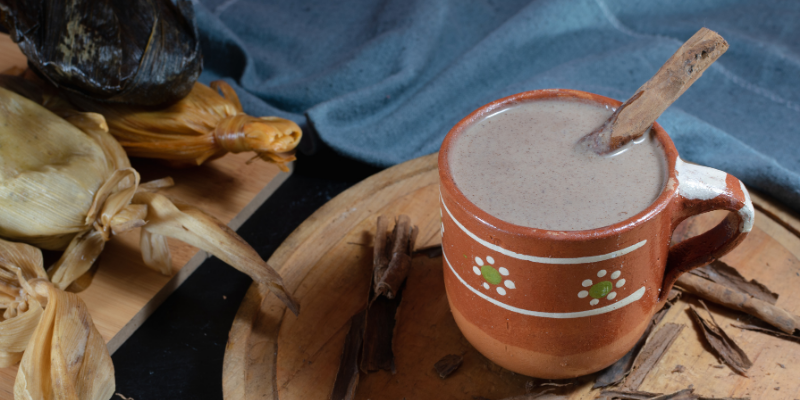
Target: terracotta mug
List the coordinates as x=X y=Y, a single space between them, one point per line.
x=560 y=304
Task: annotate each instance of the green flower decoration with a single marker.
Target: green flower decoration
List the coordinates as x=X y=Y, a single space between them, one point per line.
x=602 y=289
x=492 y=275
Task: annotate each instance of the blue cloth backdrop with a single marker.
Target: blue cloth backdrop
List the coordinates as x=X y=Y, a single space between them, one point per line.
x=383 y=81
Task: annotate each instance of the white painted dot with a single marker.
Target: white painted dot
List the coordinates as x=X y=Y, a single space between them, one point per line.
x=615 y=274
x=620 y=282
x=601 y=273
x=485 y=285
x=489 y=259
x=587 y=283
x=594 y=302
x=476 y=270
x=478 y=261
x=509 y=284
x=501 y=291
x=582 y=294
x=612 y=295
x=503 y=271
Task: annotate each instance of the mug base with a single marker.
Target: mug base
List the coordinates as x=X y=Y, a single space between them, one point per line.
x=542 y=365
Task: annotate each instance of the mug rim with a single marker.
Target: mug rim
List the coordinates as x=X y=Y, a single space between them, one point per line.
x=658 y=205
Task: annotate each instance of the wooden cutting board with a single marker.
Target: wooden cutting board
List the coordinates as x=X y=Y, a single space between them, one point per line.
x=326 y=261
x=124 y=291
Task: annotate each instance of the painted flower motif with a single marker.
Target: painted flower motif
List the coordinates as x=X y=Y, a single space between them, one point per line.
x=492 y=275
x=603 y=288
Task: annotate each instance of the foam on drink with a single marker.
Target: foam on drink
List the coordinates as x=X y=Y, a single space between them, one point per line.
x=521 y=165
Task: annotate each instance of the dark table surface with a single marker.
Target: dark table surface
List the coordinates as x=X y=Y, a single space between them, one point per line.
x=177 y=353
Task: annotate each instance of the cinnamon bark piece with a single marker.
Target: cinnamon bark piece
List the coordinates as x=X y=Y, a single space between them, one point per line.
x=634 y=117
x=793 y=338
x=378 y=353
x=538 y=396
x=651 y=353
x=344 y=387
x=685 y=394
x=448 y=364
x=620 y=369
x=430 y=251
x=723 y=345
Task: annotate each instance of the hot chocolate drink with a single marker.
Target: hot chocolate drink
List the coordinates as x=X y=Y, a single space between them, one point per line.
x=521 y=165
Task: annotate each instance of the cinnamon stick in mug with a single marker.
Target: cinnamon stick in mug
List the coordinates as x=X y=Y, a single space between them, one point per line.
x=635 y=116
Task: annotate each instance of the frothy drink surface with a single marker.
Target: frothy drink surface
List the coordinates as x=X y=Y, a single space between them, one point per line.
x=521 y=166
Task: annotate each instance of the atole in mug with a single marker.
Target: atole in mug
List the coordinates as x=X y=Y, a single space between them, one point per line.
x=560 y=304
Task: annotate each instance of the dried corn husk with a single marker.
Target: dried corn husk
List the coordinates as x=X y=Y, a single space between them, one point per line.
x=140 y=52
x=202 y=126
x=71 y=189
x=63 y=356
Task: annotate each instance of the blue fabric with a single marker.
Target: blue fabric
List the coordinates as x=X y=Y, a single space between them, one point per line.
x=384 y=81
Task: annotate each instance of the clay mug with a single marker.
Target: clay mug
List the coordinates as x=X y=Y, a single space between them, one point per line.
x=560 y=304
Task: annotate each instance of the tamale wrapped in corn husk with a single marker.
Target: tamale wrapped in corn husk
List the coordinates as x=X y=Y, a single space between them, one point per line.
x=68 y=185
x=142 y=52
x=62 y=354
x=202 y=126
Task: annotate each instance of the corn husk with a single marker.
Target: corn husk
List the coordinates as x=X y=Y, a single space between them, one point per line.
x=139 y=52
x=69 y=186
x=62 y=354
x=202 y=126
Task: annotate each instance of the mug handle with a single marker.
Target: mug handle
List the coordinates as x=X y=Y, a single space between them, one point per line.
x=702 y=189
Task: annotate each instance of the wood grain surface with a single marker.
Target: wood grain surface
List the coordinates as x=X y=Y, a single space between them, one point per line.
x=124 y=291
x=326 y=261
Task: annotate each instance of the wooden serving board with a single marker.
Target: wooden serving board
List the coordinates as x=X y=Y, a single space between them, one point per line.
x=124 y=291
x=326 y=261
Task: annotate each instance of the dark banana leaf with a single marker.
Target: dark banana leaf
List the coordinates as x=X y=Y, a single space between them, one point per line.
x=138 y=52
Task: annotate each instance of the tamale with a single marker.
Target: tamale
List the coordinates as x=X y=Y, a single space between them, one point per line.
x=142 y=52
x=65 y=188
x=202 y=126
x=63 y=355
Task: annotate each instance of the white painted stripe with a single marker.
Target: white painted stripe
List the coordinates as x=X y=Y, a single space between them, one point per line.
x=747 y=212
x=579 y=314
x=696 y=182
x=545 y=260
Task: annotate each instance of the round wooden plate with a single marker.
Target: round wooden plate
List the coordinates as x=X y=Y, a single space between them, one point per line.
x=326 y=262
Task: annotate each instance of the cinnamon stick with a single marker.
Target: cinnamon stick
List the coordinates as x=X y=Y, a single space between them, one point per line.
x=400 y=263
x=724 y=274
x=391 y=264
x=634 y=117
x=380 y=261
x=739 y=301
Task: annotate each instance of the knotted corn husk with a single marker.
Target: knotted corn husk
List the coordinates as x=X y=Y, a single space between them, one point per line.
x=63 y=355
x=122 y=51
x=202 y=126
x=65 y=188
